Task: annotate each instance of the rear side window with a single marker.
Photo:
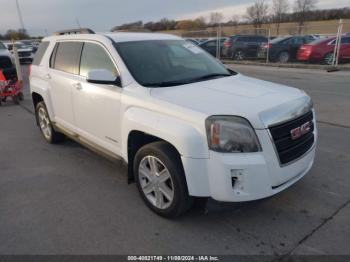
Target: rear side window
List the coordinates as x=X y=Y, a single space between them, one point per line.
x=95 y=57
x=210 y=44
x=242 y=39
x=40 y=53
x=345 y=40
x=66 y=57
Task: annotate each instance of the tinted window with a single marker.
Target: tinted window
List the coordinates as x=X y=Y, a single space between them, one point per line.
x=345 y=40
x=241 y=39
x=293 y=41
x=210 y=44
x=95 y=57
x=278 y=40
x=67 y=57
x=308 y=39
x=40 y=53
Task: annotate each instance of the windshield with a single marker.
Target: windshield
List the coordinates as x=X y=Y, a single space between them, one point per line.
x=161 y=63
x=22 y=46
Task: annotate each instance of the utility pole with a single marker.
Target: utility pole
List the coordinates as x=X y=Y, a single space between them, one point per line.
x=78 y=23
x=20 y=15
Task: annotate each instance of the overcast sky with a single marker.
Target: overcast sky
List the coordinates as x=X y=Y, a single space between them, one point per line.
x=101 y=15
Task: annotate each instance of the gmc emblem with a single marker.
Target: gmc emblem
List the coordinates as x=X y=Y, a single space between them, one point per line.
x=300 y=131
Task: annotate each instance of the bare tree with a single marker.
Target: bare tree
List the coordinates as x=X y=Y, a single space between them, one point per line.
x=257 y=13
x=236 y=19
x=279 y=9
x=216 y=18
x=301 y=8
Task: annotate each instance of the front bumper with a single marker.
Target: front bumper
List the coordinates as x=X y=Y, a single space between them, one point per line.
x=245 y=177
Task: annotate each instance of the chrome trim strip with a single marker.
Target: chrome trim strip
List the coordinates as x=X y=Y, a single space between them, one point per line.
x=286 y=112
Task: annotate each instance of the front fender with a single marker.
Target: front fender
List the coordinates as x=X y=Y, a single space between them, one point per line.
x=188 y=139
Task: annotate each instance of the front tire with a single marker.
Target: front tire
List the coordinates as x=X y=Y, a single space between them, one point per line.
x=239 y=55
x=45 y=125
x=161 y=180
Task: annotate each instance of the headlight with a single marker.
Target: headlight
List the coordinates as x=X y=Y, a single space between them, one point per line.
x=231 y=134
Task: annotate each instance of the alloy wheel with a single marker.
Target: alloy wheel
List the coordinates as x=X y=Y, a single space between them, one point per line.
x=44 y=123
x=156 y=182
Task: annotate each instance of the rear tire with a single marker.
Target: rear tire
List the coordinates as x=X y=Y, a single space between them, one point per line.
x=45 y=125
x=20 y=96
x=161 y=181
x=15 y=100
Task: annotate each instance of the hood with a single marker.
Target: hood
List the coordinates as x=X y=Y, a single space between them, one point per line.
x=262 y=103
x=5 y=52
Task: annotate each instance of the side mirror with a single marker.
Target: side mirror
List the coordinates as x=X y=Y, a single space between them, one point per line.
x=102 y=76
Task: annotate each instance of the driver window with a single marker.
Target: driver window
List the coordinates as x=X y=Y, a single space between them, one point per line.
x=95 y=57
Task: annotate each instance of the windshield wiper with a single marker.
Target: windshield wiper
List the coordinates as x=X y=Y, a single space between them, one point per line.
x=209 y=76
x=166 y=84
x=187 y=81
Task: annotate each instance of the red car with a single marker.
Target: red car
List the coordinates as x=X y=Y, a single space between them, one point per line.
x=322 y=50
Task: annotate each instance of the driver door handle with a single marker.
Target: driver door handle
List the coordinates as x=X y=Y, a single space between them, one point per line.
x=78 y=86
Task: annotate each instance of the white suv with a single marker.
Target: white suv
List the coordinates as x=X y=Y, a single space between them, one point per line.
x=185 y=125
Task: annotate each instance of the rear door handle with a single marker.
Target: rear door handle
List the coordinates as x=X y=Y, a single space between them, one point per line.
x=78 y=86
x=48 y=76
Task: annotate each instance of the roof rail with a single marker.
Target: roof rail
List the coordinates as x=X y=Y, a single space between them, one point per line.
x=75 y=31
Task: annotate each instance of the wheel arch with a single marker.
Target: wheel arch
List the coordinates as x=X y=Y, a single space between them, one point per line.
x=141 y=126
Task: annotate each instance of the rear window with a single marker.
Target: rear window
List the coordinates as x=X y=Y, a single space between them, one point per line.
x=40 y=53
x=66 y=57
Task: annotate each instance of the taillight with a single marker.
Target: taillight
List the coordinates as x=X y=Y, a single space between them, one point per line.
x=267 y=46
x=306 y=49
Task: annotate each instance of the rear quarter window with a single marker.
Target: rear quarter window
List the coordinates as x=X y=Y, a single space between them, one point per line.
x=40 y=53
x=66 y=57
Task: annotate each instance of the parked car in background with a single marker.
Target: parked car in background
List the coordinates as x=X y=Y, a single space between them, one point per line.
x=211 y=46
x=284 y=49
x=30 y=43
x=322 y=51
x=6 y=63
x=25 y=52
x=239 y=47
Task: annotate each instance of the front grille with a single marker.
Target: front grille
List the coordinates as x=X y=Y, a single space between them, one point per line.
x=287 y=148
x=24 y=54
